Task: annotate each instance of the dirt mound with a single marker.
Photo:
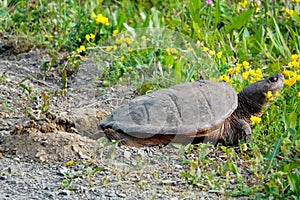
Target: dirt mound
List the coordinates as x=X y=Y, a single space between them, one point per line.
x=61 y=134
x=48 y=138
x=47 y=123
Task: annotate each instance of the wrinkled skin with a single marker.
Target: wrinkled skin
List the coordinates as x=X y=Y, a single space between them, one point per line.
x=250 y=102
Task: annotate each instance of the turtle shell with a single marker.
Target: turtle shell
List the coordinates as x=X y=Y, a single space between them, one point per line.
x=184 y=109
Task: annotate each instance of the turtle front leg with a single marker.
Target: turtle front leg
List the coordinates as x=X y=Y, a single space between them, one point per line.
x=236 y=129
x=246 y=129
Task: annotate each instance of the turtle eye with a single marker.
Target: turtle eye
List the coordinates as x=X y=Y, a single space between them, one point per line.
x=273 y=79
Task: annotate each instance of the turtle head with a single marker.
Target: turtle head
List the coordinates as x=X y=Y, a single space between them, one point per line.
x=252 y=98
x=275 y=83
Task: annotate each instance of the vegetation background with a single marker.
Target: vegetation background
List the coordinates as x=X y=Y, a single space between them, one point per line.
x=241 y=42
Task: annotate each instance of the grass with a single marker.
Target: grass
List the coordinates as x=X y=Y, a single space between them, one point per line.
x=234 y=41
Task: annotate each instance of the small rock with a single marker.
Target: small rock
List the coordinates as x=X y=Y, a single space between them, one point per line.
x=62 y=171
x=49 y=194
x=11 y=181
x=16 y=159
x=168 y=182
x=127 y=154
x=110 y=194
x=64 y=192
x=121 y=195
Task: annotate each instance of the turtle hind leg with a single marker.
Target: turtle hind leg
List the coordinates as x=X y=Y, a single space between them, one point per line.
x=128 y=140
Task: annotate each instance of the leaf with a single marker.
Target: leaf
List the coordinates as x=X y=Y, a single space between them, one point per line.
x=239 y=21
x=169 y=60
x=291 y=120
x=294 y=182
x=194 y=166
x=64 y=78
x=217 y=12
x=177 y=72
x=70 y=163
x=189 y=74
x=274 y=154
x=232 y=167
x=297 y=145
x=130 y=30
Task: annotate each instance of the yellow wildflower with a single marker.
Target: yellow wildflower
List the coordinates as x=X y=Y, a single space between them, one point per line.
x=244 y=147
x=291 y=81
x=143 y=37
x=294 y=74
x=286 y=72
x=243 y=3
x=290 y=65
x=88 y=37
x=205 y=48
x=130 y=49
x=127 y=40
x=81 y=49
x=108 y=48
x=298 y=95
x=174 y=51
x=238 y=67
x=245 y=75
x=246 y=64
x=211 y=52
x=252 y=72
x=50 y=37
x=122 y=58
x=115 y=47
x=118 y=41
x=219 y=54
x=286 y=10
x=226 y=79
x=231 y=71
x=168 y=50
x=101 y=19
x=268 y=94
x=70 y=163
x=277 y=94
x=296 y=64
x=115 y=32
x=255 y=119
x=298 y=77
x=295 y=57
x=258 y=72
x=291 y=13
x=93 y=15
x=92 y=36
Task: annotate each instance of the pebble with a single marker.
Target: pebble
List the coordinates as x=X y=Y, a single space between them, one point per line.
x=64 y=192
x=11 y=181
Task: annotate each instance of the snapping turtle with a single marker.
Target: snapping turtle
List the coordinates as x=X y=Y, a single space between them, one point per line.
x=202 y=111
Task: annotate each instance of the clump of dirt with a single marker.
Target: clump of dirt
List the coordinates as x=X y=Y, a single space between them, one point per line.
x=52 y=146
x=47 y=123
